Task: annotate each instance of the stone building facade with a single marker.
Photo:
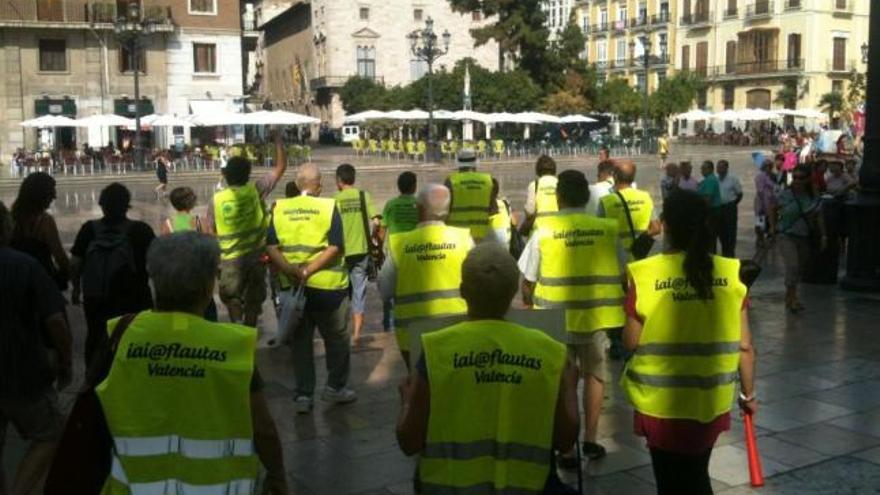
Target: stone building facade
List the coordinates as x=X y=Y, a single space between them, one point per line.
x=313 y=47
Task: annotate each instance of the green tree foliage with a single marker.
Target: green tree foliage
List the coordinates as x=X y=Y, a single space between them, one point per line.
x=360 y=93
x=518 y=28
x=855 y=93
x=832 y=103
x=789 y=95
x=618 y=97
x=674 y=95
x=572 y=97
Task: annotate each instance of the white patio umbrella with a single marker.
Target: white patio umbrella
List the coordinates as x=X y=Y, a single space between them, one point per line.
x=49 y=121
x=105 y=120
x=512 y=118
x=576 y=119
x=364 y=116
x=694 y=115
x=541 y=117
x=472 y=115
x=757 y=114
x=810 y=113
x=726 y=115
x=443 y=115
x=278 y=117
x=159 y=120
x=415 y=114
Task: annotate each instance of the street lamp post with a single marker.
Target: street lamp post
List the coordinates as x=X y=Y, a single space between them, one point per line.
x=131 y=28
x=646 y=62
x=863 y=213
x=424 y=46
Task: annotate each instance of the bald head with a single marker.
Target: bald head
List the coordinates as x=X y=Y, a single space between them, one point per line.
x=308 y=178
x=624 y=172
x=433 y=202
x=489 y=280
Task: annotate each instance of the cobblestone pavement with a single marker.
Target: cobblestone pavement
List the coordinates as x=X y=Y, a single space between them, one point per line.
x=818 y=372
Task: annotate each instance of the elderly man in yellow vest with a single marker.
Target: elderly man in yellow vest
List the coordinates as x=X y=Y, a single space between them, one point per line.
x=625 y=200
x=541 y=193
x=574 y=262
x=489 y=400
x=423 y=270
x=182 y=399
x=237 y=215
x=307 y=245
x=471 y=196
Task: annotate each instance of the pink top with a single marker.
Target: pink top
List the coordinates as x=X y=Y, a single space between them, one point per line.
x=791 y=161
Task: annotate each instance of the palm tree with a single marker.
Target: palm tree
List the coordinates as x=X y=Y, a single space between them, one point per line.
x=832 y=103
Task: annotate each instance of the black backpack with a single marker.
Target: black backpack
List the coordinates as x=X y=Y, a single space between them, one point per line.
x=109 y=264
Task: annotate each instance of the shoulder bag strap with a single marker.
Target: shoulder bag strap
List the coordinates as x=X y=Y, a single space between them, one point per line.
x=99 y=369
x=806 y=220
x=367 y=232
x=629 y=220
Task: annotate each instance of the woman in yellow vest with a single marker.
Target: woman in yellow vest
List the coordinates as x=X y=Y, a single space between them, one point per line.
x=687 y=325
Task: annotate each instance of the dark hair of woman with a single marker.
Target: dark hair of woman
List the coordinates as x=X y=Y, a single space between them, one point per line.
x=801 y=173
x=36 y=193
x=686 y=214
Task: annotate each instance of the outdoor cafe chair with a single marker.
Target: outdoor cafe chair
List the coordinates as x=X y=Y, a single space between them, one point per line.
x=422 y=150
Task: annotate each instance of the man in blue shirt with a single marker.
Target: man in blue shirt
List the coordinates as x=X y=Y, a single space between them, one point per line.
x=710 y=188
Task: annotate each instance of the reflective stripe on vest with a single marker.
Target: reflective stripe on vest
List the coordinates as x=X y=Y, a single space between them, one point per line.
x=160 y=401
x=428 y=265
x=241 y=221
x=641 y=208
x=545 y=198
x=302 y=225
x=471 y=194
x=686 y=363
x=580 y=271
x=494 y=388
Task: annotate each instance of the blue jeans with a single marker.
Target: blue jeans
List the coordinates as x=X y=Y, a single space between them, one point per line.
x=357 y=274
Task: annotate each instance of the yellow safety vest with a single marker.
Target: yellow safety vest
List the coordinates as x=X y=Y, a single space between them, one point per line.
x=545 y=197
x=494 y=388
x=177 y=403
x=688 y=355
x=428 y=265
x=302 y=225
x=641 y=207
x=580 y=271
x=349 y=203
x=471 y=196
x=241 y=221
x=501 y=220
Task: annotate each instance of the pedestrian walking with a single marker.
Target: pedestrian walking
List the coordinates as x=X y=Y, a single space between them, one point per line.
x=710 y=190
x=306 y=244
x=237 y=216
x=35 y=231
x=482 y=426
x=663 y=148
x=399 y=215
x=471 y=196
x=109 y=266
x=215 y=432
x=765 y=203
x=541 y=193
x=422 y=272
x=731 y=194
x=359 y=221
x=556 y=276
x=802 y=230
x=32 y=312
x=687 y=326
x=162 y=164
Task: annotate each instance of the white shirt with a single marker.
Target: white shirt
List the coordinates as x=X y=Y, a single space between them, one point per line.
x=598 y=191
x=730 y=188
x=530 y=260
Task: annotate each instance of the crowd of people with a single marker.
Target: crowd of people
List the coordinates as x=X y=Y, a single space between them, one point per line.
x=488 y=404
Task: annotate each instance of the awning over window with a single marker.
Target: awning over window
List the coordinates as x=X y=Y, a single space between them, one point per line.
x=58 y=106
x=125 y=107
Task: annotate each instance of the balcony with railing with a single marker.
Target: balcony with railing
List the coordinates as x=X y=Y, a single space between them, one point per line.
x=761 y=68
x=619 y=26
x=840 y=66
x=793 y=4
x=659 y=21
x=696 y=20
x=74 y=14
x=731 y=13
x=639 y=23
x=762 y=9
x=601 y=28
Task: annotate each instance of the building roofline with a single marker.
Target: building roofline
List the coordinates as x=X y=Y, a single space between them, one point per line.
x=283 y=15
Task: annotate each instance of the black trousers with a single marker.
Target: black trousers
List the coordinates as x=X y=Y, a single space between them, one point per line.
x=679 y=474
x=714 y=222
x=727 y=229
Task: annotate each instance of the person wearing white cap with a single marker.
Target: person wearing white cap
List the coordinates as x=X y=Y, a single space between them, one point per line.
x=471 y=196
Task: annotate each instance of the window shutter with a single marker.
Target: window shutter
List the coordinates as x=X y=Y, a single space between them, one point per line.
x=730 y=57
x=686 y=58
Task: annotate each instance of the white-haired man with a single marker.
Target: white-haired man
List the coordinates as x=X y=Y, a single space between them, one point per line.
x=306 y=243
x=423 y=270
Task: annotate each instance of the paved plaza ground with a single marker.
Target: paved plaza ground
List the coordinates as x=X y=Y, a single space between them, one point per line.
x=818 y=371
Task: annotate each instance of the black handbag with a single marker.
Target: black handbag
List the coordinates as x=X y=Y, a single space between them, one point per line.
x=641 y=244
x=517 y=242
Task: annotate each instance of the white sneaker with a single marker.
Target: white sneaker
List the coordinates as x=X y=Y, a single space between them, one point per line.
x=303 y=404
x=343 y=395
